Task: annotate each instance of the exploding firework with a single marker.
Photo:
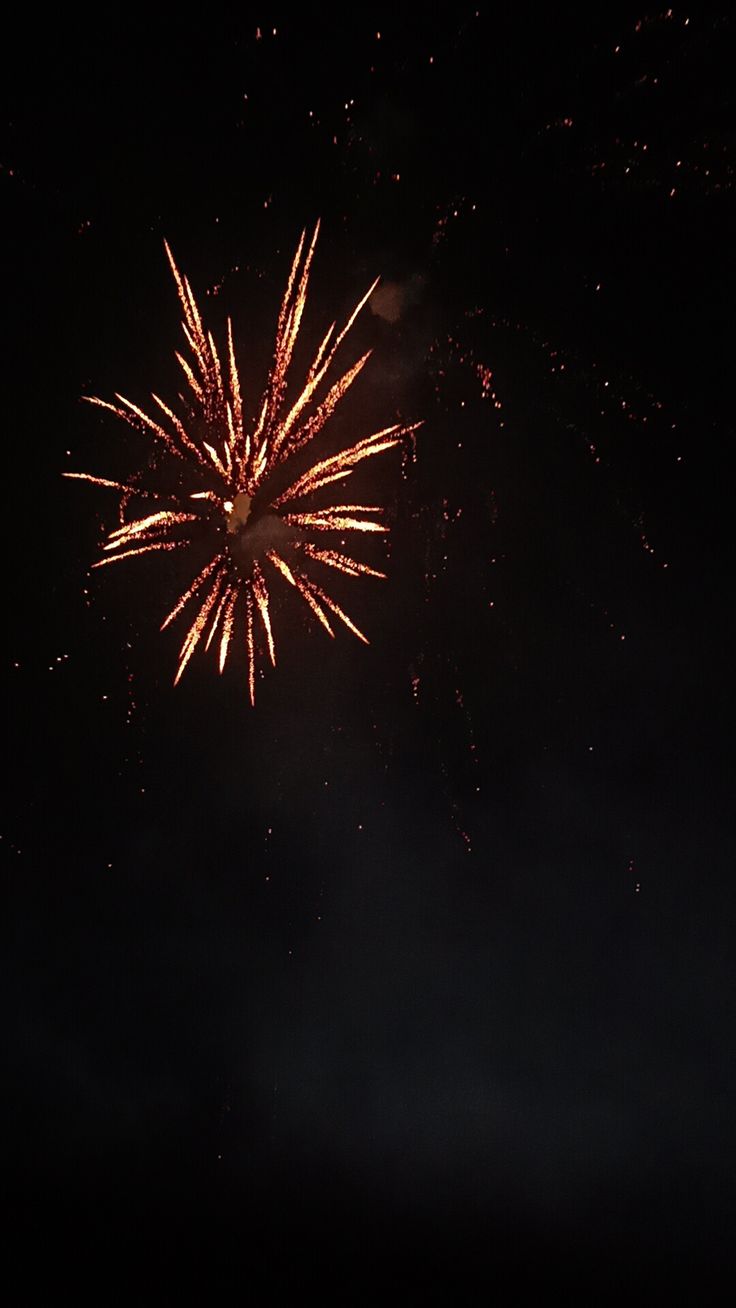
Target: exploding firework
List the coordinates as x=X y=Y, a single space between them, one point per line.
x=258 y=530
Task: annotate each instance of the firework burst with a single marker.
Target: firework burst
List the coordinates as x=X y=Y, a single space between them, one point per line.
x=259 y=531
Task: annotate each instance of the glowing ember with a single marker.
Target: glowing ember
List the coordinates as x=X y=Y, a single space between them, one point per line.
x=217 y=445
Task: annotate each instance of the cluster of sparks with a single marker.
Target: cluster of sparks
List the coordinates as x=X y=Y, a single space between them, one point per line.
x=234 y=459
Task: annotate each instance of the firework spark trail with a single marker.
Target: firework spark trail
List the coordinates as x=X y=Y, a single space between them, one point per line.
x=301 y=584
x=142 y=549
x=113 y=485
x=218 y=613
x=327 y=521
x=317 y=590
x=163 y=519
x=333 y=559
x=203 y=575
x=249 y=645
x=260 y=591
x=195 y=631
x=227 y=626
x=341 y=465
x=214 y=440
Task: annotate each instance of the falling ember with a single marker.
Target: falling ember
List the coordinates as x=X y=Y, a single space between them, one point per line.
x=217 y=444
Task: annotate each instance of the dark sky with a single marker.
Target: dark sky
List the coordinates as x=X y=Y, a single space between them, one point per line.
x=417 y=977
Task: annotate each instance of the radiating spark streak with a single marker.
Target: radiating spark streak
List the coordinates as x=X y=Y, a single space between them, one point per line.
x=290 y=316
x=105 y=404
x=142 y=549
x=216 y=460
x=213 y=625
x=261 y=421
x=218 y=611
x=249 y=644
x=360 y=305
x=313 y=603
x=317 y=361
x=184 y=599
x=349 y=508
x=283 y=311
x=341 y=614
x=344 y=462
x=179 y=286
x=164 y=518
x=155 y=427
x=345 y=467
x=333 y=559
x=282 y=566
x=332 y=524
x=323 y=481
x=194 y=634
x=317 y=373
x=293 y=324
x=281 y=327
x=190 y=377
x=143 y=420
x=237 y=458
x=304 y=587
x=152 y=535
x=260 y=464
x=196 y=348
x=227 y=626
x=216 y=366
x=180 y=429
x=197 y=328
x=295 y=315
x=260 y=590
x=190 y=340
x=231 y=439
x=325 y=410
x=193 y=329
x=241 y=440
x=113 y=485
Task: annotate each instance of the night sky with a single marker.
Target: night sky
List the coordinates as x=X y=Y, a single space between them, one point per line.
x=414 y=983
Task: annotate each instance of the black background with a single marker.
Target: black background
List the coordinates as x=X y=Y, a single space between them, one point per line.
x=416 y=978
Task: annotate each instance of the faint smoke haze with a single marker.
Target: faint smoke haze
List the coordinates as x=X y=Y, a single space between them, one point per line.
x=390 y=299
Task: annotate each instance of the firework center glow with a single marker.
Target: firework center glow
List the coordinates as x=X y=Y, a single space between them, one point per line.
x=238 y=511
